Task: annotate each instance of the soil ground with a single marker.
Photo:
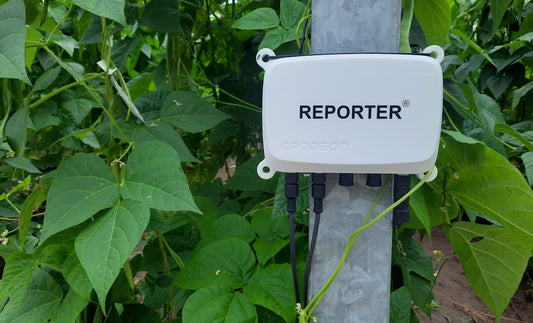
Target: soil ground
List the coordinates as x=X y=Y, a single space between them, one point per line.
x=457 y=301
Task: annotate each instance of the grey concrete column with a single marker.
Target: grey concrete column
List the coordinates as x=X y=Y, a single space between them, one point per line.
x=360 y=293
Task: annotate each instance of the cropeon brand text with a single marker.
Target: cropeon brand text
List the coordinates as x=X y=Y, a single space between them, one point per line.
x=350 y=112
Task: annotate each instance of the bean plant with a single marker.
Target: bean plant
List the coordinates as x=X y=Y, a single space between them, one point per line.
x=119 y=117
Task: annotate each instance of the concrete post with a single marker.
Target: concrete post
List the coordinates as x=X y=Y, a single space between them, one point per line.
x=360 y=293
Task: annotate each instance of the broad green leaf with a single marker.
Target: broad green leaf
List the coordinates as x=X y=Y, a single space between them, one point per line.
x=163 y=16
x=266 y=249
x=16 y=275
x=416 y=258
x=519 y=93
x=77 y=105
x=420 y=209
x=32 y=202
x=493 y=265
x=12 y=40
x=23 y=164
x=229 y=262
x=187 y=111
x=291 y=11
x=112 y=9
x=68 y=43
x=221 y=304
x=459 y=137
x=527 y=158
x=246 y=178
x=486 y=182
x=269 y=228
x=262 y=18
x=40 y=302
x=76 y=276
x=106 y=244
x=435 y=18
x=400 y=305
x=272 y=287
x=228 y=226
x=154 y=176
x=497 y=11
x=160 y=130
x=70 y=308
x=277 y=36
x=82 y=186
x=46 y=79
x=16 y=131
x=32 y=36
x=93 y=32
x=122 y=50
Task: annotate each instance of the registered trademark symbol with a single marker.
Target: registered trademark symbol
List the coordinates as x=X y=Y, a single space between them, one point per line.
x=405 y=103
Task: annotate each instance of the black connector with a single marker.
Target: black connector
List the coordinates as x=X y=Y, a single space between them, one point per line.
x=318 y=191
x=346 y=179
x=291 y=191
x=400 y=214
x=373 y=180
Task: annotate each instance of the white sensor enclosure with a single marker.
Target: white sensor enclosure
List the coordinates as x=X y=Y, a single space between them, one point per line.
x=351 y=113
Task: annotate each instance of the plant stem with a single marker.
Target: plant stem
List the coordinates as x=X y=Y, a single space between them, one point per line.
x=353 y=238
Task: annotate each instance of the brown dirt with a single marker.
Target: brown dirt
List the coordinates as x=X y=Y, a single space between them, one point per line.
x=457 y=301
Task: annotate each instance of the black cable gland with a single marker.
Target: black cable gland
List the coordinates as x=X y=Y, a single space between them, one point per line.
x=291 y=191
x=318 y=205
x=318 y=178
x=345 y=179
x=291 y=178
x=373 y=180
x=400 y=214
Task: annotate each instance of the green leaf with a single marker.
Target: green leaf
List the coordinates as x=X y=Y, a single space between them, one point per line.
x=267 y=227
x=527 y=158
x=505 y=128
x=497 y=11
x=221 y=304
x=160 y=130
x=400 y=305
x=493 y=265
x=266 y=249
x=187 y=111
x=154 y=176
x=434 y=17
x=78 y=106
x=122 y=50
x=16 y=276
x=32 y=202
x=262 y=18
x=519 y=93
x=46 y=79
x=12 y=40
x=473 y=45
x=112 y=9
x=106 y=244
x=32 y=35
x=162 y=16
x=277 y=36
x=40 y=302
x=416 y=258
x=229 y=262
x=228 y=226
x=291 y=11
x=272 y=287
x=420 y=208
x=70 y=308
x=82 y=186
x=486 y=182
x=246 y=178
x=76 y=276
x=16 y=131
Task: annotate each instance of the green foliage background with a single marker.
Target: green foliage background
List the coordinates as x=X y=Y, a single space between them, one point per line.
x=117 y=116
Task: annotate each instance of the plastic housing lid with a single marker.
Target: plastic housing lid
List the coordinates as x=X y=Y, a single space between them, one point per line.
x=351 y=113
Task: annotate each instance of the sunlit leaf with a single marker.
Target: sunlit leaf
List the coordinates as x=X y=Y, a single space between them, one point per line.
x=262 y=18
x=112 y=9
x=12 y=40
